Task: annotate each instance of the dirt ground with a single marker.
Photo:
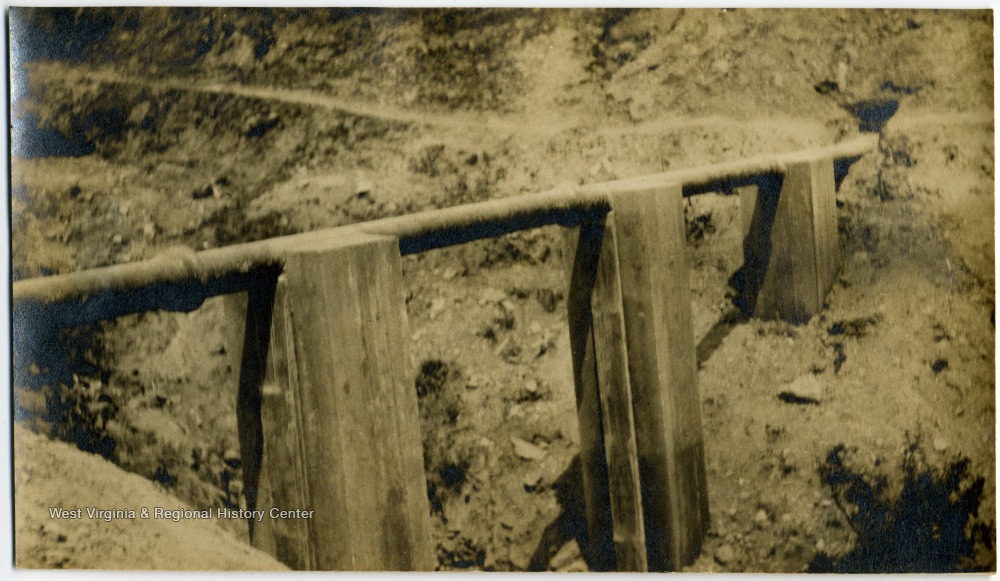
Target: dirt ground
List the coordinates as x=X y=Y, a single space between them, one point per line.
x=138 y=130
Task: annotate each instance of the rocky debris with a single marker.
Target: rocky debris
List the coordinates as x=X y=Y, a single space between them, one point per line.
x=940 y=443
x=548 y=299
x=206 y=192
x=854 y=327
x=437 y=305
x=258 y=125
x=531 y=480
x=725 y=554
x=805 y=389
x=232 y=458
x=760 y=519
x=363 y=187
x=526 y=450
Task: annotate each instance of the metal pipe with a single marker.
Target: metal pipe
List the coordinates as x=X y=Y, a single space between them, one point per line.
x=418 y=232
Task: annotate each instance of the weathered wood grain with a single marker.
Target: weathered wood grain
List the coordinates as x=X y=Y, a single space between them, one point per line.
x=342 y=376
x=653 y=263
x=582 y=247
x=616 y=405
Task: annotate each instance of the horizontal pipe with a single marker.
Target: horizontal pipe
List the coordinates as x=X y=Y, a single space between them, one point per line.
x=418 y=232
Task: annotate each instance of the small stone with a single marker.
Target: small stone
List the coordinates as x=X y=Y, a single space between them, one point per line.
x=437 y=305
x=231 y=457
x=940 y=443
x=760 y=518
x=492 y=295
x=206 y=192
x=116 y=239
x=363 y=188
x=449 y=273
x=820 y=545
x=526 y=450
x=531 y=386
x=842 y=76
x=724 y=554
x=535 y=328
x=149 y=230
x=531 y=480
x=804 y=389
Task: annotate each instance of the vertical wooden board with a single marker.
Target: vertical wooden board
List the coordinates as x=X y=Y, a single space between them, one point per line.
x=824 y=204
x=748 y=203
x=758 y=207
x=266 y=410
x=284 y=474
x=358 y=407
x=661 y=363
x=580 y=253
x=616 y=406
x=790 y=291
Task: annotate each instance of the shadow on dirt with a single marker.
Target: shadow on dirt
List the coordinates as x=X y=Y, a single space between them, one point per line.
x=570 y=524
x=923 y=529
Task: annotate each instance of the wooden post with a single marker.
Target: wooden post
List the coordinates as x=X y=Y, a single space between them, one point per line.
x=656 y=298
x=581 y=251
x=791 y=247
x=340 y=420
x=595 y=265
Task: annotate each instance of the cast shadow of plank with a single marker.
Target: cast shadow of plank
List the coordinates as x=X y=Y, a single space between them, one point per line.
x=717 y=334
x=570 y=524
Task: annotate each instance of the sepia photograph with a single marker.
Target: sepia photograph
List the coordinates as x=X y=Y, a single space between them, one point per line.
x=523 y=289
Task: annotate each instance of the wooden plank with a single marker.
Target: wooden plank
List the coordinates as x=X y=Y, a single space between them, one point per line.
x=824 y=204
x=653 y=267
x=582 y=247
x=504 y=215
x=284 y=477
x=343 y=324
x=616 y=406
x=792 y=248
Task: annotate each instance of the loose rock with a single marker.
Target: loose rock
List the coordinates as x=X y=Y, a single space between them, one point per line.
x=526 y=450
x=804 y=389
x=724 y=554
x=492 y=295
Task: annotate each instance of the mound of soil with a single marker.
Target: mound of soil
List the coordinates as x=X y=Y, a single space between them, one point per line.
x=54 y=475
